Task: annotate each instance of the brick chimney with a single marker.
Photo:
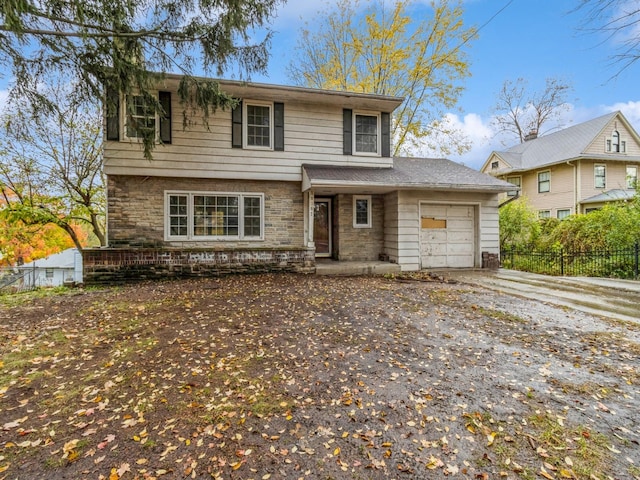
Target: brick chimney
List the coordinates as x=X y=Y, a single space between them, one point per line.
x=532 y=135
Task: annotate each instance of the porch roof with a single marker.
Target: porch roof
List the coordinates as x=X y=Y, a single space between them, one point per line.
x=616 y=195
x=406 y=174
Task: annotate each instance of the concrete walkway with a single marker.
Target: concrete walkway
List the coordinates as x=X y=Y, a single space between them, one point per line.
x=616 y=299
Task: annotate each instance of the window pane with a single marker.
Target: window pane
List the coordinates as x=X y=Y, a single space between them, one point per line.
x=215 y=216
x=178 y=215
x=362 y=211
x=632 y=177
x=258 y=125
x=366 y=133
x=143 y=117
x=252 y=221
x=600 y=176
x=544 y=182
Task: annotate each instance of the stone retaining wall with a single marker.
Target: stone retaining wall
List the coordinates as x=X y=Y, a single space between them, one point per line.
x=119 y=265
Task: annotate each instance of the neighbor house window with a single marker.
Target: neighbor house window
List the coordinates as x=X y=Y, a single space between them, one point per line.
x=615 y=141
x=258 y=119
x=140 y=117
x=632 y=176
x=495 y=165
x=362 y=211
x=366 y=138
x=48 y=273
x=563 y=213
x=517 y=181
x=544 y=181
x=214 y=216
x=600 y=176
x=544 y=214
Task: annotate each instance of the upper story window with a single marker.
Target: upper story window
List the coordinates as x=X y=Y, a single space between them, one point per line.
x=214 y=216
x=258 y=131
x=140 y=117
x=366 y=138
x=563 y=213
x=366 y=133
x=615 y=145
x=133 y=117
x=632 y=176
x=258 y=125
x=495 y=165
x=517 y=181
x=544 y=181
x=362 y=211
x=600 y=176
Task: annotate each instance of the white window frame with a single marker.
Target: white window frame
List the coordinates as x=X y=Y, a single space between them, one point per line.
x=563 y=210
x=191 y=237
x=245 y=124
x=369 y=213
x=123 y=121
x=544 y=214
x=513 y=193
x=364 y=113
x=631 y=185
x=603 y=176
x=547 y=181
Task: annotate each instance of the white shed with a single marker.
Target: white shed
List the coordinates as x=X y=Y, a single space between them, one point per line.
x=55 y=270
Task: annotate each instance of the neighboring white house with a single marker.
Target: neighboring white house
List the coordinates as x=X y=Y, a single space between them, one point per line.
x=290 y=175
x=55 y=270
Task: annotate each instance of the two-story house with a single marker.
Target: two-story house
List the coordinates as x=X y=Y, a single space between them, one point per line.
x=574 y=170
x=290 y=175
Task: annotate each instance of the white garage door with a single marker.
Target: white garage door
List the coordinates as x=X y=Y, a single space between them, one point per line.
x=447 y=236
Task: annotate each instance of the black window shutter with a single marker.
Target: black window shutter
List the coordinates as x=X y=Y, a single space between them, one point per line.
x=385 y=134
x=278 y=126
x=347 y=127
x=113 y=114
x=236 y=126
x=165 y=119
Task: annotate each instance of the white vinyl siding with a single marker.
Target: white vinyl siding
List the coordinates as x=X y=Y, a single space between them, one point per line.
x=313 y=134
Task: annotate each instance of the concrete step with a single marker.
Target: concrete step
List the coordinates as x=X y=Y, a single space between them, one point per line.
x=331 y=267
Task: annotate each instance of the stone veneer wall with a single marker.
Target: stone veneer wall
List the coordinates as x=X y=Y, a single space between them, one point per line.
x=120 y=265
x=136 y=207
x=360 y=244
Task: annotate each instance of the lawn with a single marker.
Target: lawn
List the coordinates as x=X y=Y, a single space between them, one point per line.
x=291 y=376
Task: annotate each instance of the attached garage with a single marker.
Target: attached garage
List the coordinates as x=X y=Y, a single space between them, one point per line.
x=447 y=236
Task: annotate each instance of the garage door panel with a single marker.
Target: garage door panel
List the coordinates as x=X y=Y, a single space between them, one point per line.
x=452 y=244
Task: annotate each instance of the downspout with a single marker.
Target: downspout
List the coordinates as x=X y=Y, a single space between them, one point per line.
x=575 y=186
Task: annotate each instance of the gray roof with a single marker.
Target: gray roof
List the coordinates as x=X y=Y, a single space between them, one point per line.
x=64 y=259
x=556 y=147
x=408 y=173
x=616 y=195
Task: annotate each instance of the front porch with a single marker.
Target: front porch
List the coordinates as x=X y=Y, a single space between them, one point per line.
x=327 y=266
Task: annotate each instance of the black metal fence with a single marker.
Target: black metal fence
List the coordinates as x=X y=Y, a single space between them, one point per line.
x=621 y=263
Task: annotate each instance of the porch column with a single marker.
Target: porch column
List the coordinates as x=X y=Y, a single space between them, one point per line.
x=309 y=206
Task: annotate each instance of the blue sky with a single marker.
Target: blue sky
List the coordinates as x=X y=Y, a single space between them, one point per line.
x=529 y=39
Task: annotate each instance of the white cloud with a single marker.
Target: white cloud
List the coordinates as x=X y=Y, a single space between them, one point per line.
x=484 y=138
